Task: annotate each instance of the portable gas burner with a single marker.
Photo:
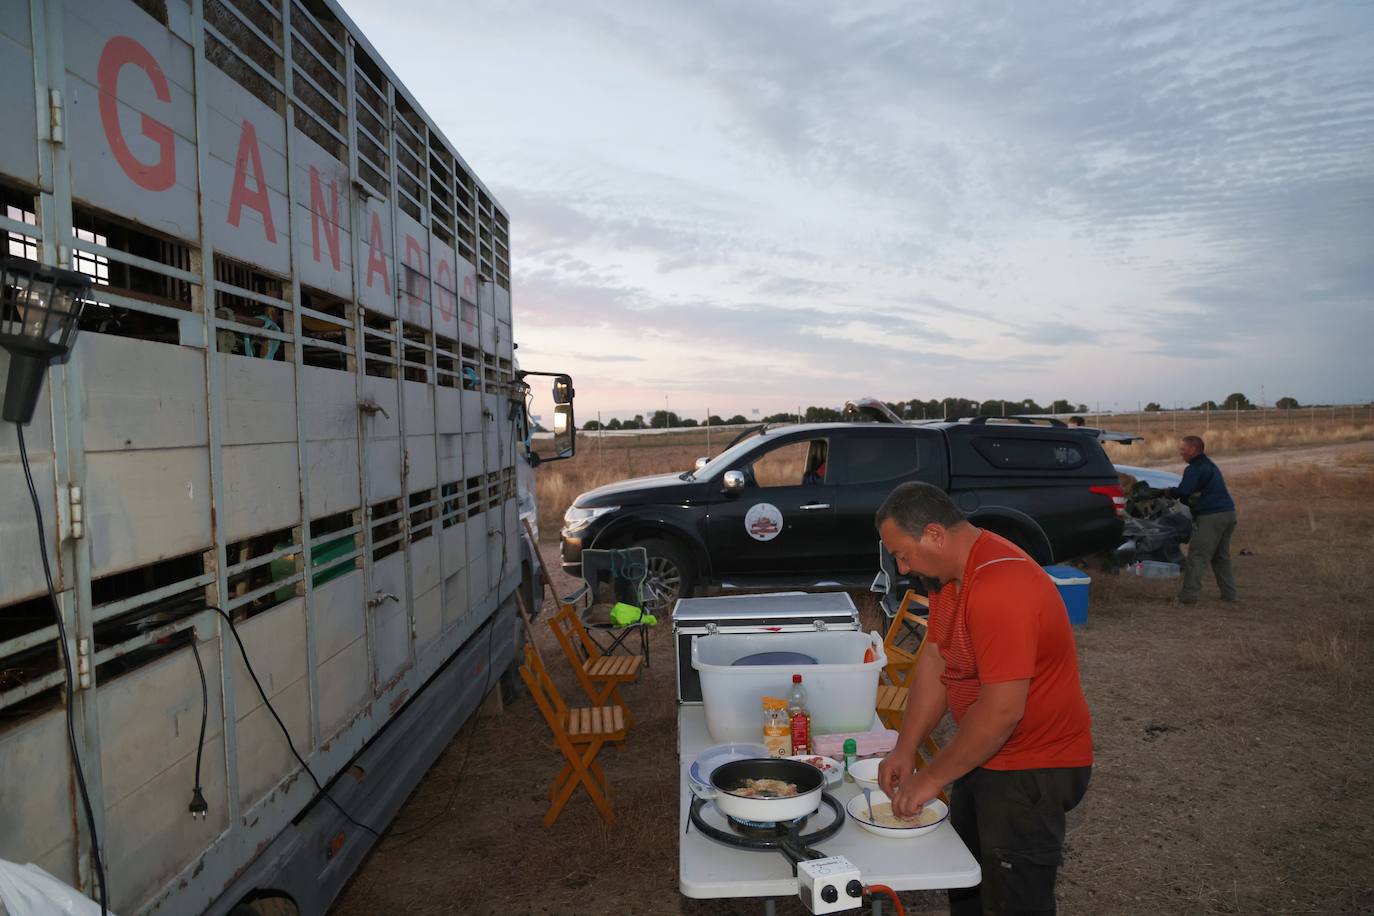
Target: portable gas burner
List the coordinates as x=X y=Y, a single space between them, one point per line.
x=825 y=884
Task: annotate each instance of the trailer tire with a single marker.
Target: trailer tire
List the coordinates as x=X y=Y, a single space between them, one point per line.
x=670 y=575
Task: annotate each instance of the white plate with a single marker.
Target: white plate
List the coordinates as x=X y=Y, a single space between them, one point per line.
x=713 y=757
x=858 y=810
x=832 y=768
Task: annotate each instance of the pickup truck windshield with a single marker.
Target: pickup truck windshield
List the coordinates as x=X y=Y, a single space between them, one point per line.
x=727 y=458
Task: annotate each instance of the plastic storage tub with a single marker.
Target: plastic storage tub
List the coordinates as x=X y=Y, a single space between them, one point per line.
x=1073 y=588
x=841 y=689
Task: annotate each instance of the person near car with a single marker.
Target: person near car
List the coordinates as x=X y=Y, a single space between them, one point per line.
x=1000 y=657
x=1076 y=421
x=1204 y=491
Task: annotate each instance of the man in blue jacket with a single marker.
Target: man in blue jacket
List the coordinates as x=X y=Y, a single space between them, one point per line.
x=1214 y=520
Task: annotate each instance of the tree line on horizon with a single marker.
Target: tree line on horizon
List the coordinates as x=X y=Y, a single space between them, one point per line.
x=915 y=409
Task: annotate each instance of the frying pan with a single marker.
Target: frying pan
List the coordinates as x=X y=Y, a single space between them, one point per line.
x=728 y=778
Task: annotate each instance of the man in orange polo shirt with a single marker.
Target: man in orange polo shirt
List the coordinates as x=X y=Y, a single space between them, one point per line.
x=1000 y=657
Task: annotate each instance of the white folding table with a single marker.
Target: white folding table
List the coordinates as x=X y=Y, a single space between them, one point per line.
x=709 y=869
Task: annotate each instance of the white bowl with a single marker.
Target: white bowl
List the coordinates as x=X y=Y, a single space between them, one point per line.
x=865 y=772
x=858 y=810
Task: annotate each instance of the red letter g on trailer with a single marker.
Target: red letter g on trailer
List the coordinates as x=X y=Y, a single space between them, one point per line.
x=118 y=52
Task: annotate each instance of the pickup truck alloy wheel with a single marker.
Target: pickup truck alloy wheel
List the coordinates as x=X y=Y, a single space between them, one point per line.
x=668 y=577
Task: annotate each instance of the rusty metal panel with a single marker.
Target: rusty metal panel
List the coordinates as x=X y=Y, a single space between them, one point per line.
x=450 y=467
x=477 y=559
x=245 y=181
x=424 y=565
x=158 y=708
x=335 y=485
x=502 y=297
x=275 y=640
x=339 y=614
x=376 y=262
x=383 y=440
x=259 y=400
x=453 y=549
x=324 y=240
x=472 y=412
x=448 y=410
x=329 y=404
x=390 y=623
x=18 y=148
x=38 y=821
x=420 y=463
x=261 y=489
x=447 y=283
x=473 y=459
x=144 y=506
x=138 y=394
x=147 y=766
x=149 y=836
x=455 y=592
x=505 y=343
x=419 y=407
x=496 y=443
x=344 y=687
x=429 y=618
x=414 y=294
x=21 y=572
x=130 y=115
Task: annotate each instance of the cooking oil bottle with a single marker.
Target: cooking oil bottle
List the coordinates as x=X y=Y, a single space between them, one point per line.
x=798 y=717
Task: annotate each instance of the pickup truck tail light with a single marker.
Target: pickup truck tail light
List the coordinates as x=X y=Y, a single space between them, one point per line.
x=1118 y=496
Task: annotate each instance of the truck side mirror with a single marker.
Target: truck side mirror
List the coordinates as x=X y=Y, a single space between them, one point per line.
x=734 y=481
x=564 y=431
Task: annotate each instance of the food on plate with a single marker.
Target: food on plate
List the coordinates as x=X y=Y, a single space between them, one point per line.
x=883 y=817
x=767 y=788
x=819 y=763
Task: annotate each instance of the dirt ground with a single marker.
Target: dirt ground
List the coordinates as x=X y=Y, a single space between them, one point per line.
x=1233 y=749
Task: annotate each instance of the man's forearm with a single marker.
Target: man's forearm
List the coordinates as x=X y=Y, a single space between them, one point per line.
x=981 y=734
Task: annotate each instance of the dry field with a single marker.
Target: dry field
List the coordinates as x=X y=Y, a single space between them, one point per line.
x=1233 y=753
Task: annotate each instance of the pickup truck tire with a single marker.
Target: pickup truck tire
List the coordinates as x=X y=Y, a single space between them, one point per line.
x=670 y=575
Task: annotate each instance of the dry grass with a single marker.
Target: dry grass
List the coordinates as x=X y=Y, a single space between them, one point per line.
x=1233 y=746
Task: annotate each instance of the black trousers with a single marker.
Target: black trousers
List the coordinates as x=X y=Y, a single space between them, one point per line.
x=1013 y=823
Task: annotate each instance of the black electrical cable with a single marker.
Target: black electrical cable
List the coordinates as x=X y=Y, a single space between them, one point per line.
x=66 y=670
x=458 y=778
x=199 y=807
x=282 y=725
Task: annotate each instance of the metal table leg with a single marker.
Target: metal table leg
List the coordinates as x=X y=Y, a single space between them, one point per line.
x=877 y=905
x=770 y=907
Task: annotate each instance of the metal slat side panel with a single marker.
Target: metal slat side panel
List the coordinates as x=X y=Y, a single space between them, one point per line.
x=191 y=448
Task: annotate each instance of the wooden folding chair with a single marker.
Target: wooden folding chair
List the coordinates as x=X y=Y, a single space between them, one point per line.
x=907 y=621
x=600 y=675
x=580 y=734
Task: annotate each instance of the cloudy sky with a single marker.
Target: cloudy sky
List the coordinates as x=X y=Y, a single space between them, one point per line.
x=758 y=205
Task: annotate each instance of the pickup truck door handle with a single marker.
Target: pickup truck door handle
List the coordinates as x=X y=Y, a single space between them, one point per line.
x=811 y=507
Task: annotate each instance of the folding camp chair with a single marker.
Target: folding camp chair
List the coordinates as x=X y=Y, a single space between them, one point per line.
x=599 y=674
x=580 y=734
x=625 y=570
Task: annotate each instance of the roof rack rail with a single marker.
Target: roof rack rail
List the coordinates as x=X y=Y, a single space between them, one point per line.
x=1025 y=421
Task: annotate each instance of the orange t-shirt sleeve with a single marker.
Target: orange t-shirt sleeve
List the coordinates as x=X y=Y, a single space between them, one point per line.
x=1003 y=625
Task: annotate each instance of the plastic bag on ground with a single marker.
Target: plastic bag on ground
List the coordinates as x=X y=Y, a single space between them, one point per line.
x=27 y=890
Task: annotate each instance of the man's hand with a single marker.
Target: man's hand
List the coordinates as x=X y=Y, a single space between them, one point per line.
x=895 y=768
x=913 y=795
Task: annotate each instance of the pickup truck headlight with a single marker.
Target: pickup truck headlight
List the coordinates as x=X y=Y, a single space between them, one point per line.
x=577 y=518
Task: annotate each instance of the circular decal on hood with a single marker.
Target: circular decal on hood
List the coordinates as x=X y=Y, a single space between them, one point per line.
x=763 y=522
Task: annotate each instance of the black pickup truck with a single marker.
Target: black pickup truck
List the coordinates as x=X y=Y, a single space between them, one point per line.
x=794 y=506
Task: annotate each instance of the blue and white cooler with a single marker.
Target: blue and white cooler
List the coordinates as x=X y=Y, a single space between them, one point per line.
x=1073 y=588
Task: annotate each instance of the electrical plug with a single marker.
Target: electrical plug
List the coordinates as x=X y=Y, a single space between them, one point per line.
x=198 y=806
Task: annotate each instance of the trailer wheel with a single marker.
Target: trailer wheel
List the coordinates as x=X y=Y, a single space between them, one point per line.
x=670 y=575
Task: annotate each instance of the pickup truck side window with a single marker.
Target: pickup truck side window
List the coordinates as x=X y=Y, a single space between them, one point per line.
x=792 y=465
x=1030 y=454
x=874 y=456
